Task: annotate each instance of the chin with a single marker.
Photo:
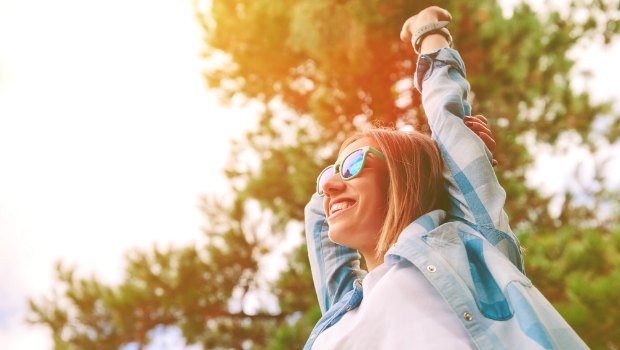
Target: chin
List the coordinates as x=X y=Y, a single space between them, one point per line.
x=338 y=237
x=335 y=237
x=343 y=238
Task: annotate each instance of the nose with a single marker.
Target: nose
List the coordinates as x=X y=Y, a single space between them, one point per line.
x=333 y=185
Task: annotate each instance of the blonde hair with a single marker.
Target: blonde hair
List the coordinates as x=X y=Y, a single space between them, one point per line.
x=416 y=184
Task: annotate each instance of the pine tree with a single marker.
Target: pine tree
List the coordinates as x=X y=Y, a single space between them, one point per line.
x=321 y=69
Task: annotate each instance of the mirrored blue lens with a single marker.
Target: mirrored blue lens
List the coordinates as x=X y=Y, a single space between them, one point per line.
x=352 y=165
x=325 y=175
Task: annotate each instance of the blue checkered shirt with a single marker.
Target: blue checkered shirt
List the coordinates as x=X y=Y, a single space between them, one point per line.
x=468 y=253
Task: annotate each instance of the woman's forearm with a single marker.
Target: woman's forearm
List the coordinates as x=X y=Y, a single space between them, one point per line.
x=433 y=42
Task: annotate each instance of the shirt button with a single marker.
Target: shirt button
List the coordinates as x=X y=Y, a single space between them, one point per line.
x=431 y=268
x=467 y=316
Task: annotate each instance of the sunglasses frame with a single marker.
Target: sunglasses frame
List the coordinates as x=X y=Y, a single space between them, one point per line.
x=338 y=166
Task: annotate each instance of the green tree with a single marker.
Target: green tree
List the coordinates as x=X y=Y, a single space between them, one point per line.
x=321 y=69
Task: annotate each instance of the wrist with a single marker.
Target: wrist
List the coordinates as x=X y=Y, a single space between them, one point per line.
x=430 y=35
x=433 y=42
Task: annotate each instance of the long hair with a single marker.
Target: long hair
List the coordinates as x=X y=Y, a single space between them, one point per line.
x=416 y=184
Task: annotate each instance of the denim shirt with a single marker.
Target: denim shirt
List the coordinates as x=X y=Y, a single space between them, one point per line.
x=468 y=253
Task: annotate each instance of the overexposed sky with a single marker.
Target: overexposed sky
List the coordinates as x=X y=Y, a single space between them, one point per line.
x=108 y=137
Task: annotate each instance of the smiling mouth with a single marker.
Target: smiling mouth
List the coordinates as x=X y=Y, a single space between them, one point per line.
x=340 y=207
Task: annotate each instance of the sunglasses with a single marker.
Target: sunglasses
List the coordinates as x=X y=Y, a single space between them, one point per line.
x=349 y=167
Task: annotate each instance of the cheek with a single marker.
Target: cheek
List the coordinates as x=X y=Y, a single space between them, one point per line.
x=378 y=206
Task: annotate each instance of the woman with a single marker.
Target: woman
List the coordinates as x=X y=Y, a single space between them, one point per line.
x=437 y=279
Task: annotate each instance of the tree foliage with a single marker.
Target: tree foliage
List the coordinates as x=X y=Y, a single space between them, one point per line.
x=320 y=70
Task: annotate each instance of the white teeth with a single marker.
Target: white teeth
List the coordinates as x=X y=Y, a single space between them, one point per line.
x=340 y=206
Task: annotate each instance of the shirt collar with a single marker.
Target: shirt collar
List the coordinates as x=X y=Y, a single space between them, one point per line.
x=414 y=232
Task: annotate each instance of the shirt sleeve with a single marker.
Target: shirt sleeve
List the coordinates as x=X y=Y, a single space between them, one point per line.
x=476 y=196
x=334 y=267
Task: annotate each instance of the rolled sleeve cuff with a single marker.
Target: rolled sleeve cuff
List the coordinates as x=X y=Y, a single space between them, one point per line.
x=428 y=62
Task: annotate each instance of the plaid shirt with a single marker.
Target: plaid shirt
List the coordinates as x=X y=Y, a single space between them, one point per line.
x=469 y=254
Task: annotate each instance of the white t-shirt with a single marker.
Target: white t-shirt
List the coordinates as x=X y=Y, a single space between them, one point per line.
x=400 y=310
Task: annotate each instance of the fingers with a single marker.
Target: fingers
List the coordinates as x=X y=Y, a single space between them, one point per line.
x=405 y=32
x=488 y=140
x=480 y=126
x=477 y=126
x=428 y=15
x=490 y=143
x=479 y=117
x=442 y=14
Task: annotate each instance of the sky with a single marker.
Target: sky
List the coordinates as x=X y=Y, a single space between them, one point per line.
x=108 y=137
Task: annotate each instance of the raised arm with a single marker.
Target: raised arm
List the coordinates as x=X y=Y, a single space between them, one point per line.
x=334 y=267
x=476 y=195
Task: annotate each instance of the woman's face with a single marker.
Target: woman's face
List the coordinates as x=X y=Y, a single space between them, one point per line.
x=355 y=209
